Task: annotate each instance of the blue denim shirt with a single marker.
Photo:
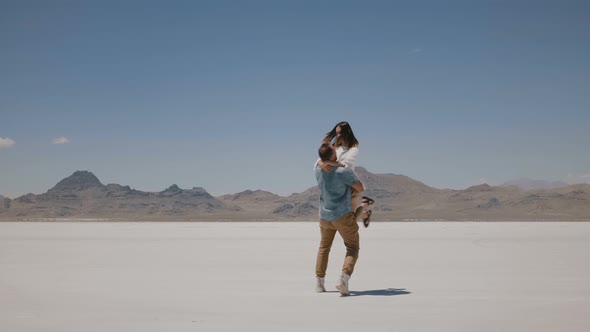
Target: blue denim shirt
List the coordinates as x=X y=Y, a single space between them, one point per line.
x=335 y=199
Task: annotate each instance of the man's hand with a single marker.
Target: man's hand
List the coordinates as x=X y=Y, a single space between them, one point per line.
x=325 y=166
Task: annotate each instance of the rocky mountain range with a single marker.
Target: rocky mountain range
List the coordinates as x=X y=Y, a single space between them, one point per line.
x=398 y=197
x=528 y=184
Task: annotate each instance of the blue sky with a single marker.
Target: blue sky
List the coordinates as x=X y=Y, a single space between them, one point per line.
x=235 y=95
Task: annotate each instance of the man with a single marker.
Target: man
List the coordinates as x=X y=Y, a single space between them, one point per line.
x=336 y=216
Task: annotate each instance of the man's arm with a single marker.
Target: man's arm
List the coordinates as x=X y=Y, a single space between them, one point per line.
x=324 y=165
x=327 y=165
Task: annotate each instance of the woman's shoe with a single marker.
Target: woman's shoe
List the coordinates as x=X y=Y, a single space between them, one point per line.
x=367 y=220
x=368 y=200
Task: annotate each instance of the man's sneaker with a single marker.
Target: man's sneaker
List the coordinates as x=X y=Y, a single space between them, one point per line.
x=319 y=285
x=342 y=284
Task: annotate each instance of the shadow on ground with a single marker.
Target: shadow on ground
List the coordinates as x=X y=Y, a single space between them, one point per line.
x=381 y=292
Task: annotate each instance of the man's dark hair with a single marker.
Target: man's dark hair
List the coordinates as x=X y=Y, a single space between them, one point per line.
x=326 y=151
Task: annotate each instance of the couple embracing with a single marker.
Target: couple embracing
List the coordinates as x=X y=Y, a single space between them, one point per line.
x=340 y=206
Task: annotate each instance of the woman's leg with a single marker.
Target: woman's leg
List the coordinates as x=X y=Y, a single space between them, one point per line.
x=359 y=208
x=355 y=199
x=363 y=213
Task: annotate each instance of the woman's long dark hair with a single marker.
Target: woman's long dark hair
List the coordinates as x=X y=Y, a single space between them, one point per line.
x=346 y=135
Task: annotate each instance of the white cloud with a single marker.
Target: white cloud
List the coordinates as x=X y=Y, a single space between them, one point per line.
x=60 y=140
x=6 y=142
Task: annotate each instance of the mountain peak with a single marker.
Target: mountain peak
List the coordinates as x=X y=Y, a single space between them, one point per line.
x=80 y=180
x=173 y=188
x=360 y=169
x=253 y=195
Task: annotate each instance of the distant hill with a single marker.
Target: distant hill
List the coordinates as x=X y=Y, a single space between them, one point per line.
x=530 y=184
x=397 y=197
x=254 y=204
x=82 y=195
x=4 y=203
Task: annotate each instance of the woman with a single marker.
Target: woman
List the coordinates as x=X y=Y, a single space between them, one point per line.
x=346 y=146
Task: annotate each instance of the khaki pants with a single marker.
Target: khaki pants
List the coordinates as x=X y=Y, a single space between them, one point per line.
x=349 y=230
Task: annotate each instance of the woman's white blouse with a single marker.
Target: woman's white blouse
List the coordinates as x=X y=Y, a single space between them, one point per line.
x=347 y=156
